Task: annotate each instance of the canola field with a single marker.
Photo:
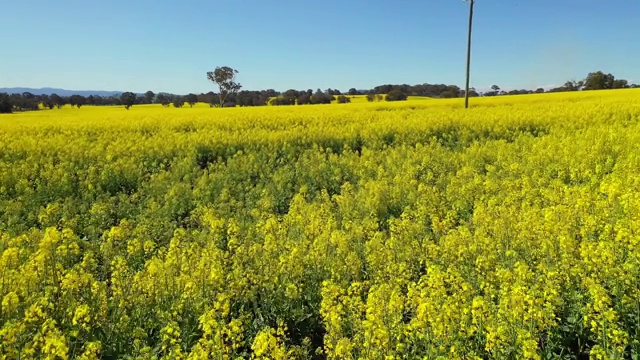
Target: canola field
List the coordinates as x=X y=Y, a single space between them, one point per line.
x=413 y=230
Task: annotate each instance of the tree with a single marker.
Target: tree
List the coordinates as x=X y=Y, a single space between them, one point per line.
x=396 y=95
x=280 y=101
x=341 y=99
x=495 y=88
x=225 y=78
x=192 y=99
x=371 y=97
x=148 y=97
x=265 y=96
x=448 y=94
x=47 y=102
x=353 y=91
x=557 y=89
x=304 y=99
x=128 y=99
x=320 y=97
x=519 y=92
x=289 y=97
x=178 y=102
x=382 y=89
x=57 y=100
x=472 y=92
x=77 y=100
x=249 y=98
x=210 y=98
x=163 y=99
x=19 y=102
x=6 y=106
x=599 y=81
x=620 y=84
x=539 y=90
x=573 y=85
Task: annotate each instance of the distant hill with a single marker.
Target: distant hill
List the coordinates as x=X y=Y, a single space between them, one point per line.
x=61 y=92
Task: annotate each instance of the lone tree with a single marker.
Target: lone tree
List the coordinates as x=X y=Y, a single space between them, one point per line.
x=225 y=78
x=128 y=99
x=148 y=97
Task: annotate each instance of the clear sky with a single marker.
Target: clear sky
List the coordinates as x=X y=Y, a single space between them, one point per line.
x=137 y=45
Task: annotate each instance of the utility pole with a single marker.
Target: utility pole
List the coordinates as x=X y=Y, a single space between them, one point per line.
x=466 y=91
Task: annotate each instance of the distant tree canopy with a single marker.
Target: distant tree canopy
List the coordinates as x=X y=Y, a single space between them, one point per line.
x=231 y=95
x=341 y=99
x=320 y=97
x=19 y=102
x=149 y=96
x=599 y=81
x=374 y=97
x=191 y=99
x=128 y=99
x=29 y=102
x=6 y=106
x=305 y=97
x=472 y=92
x=163 y=99
x=178 y=101
x=429 y=90
x=396 y=95
x=77 y=100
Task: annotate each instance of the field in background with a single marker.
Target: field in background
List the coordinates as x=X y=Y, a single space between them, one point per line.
x=366 y=230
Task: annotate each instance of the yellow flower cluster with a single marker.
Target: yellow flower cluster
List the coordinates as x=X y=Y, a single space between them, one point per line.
x=412 y=230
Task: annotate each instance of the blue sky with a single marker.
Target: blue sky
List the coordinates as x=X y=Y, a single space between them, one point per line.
x=128 y=45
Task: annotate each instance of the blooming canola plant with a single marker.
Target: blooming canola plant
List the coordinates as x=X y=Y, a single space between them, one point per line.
x=366 y=230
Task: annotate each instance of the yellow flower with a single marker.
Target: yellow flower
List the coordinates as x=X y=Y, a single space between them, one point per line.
x=82 y=316
x=10 y=302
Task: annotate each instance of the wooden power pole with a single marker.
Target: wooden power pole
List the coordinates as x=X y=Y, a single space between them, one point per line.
x=466 y=90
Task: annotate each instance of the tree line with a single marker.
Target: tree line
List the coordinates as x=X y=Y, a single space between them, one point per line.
x=594 y=81
x=230 y=94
